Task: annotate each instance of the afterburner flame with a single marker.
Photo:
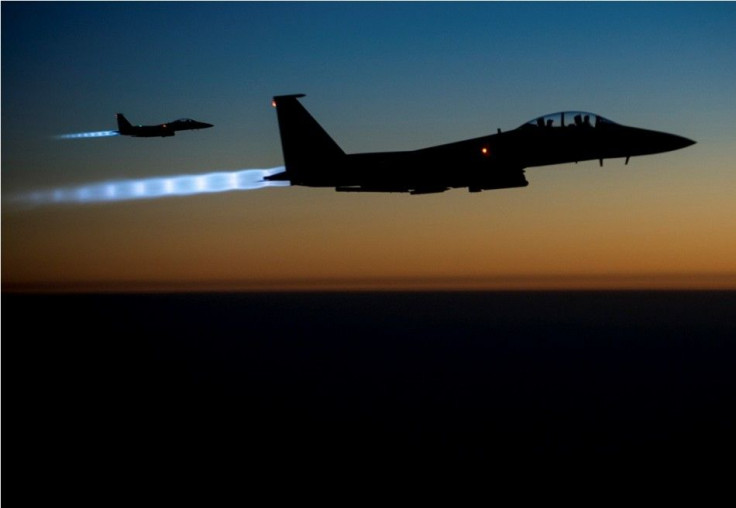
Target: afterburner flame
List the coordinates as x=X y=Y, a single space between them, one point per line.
x=156 y=187
x=80 y=135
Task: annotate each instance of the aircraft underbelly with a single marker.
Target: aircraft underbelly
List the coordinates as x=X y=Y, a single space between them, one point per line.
x=399 y=173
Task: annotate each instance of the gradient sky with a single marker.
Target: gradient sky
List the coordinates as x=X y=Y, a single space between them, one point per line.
x=378 y=76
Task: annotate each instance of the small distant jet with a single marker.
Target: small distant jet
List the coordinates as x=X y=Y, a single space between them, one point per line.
x=496 y=161
x=162 y=130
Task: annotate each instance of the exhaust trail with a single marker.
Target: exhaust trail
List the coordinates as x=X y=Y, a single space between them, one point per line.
x=155 y=187
x=80 y=135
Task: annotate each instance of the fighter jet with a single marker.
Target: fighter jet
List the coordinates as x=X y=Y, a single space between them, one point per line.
x=496 y=161
x=162 y=130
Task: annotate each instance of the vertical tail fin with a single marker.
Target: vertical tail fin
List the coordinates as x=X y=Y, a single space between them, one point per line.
x=306 y=146
x=124 y=126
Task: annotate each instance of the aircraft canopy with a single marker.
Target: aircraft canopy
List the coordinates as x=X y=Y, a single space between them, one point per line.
x=569 y=119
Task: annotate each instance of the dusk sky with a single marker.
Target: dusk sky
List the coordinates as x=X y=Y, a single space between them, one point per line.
x=378 y=77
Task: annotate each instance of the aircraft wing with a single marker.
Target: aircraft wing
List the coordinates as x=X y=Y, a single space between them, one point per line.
x=498 y=177
x=433 y=181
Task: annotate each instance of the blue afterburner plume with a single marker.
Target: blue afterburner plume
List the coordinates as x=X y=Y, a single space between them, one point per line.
x=79 y=135
x=150 y=188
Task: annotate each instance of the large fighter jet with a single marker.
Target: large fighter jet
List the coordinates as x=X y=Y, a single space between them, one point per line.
x=161 y=130
x=496 y=161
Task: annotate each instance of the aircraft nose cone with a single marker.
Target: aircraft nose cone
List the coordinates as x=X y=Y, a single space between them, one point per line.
x=674 y=142
x=686 y=142
x=681 y=142
x=206 y=125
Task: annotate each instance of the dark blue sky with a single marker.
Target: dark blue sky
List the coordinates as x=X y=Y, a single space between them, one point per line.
x=378 y=76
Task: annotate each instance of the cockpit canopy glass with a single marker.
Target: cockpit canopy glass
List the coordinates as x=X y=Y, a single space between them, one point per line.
x=185 y=120
x=569 y=119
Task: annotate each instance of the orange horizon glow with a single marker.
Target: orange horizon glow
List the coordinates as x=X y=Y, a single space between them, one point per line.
x=579 y=282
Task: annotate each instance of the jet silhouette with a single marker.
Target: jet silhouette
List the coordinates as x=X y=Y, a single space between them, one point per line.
x=495 y=161
x=161 y=130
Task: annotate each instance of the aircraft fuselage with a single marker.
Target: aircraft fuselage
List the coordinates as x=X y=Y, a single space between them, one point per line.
x=496 y=161
x=162 y=130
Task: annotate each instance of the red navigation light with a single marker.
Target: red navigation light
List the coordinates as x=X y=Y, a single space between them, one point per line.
x=273 y=103
x=485 y=151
